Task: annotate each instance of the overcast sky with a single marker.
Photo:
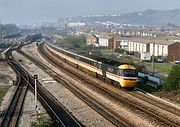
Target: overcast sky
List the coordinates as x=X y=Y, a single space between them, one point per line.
x=34 y=11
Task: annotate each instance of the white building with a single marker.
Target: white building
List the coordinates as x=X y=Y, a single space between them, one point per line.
x=105 y=39
x=76 y=24
x=124 y=44
x=137 y=46
x=155 y=47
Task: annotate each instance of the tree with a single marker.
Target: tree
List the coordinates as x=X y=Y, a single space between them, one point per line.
x=8 y=28
x=172 y=82
x=73 y=41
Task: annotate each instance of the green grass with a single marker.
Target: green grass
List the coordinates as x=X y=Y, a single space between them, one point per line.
x=43 y=122
x=3 y=90
x=163 y=67
x=106 y=51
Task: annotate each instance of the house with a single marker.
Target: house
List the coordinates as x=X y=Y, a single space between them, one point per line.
x=92 y=39
x=137 y=45
x=121 y=42
x=174 y=52
x=155 y=46
x=106 y=40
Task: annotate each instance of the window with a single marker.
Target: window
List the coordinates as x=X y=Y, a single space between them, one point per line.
x=110 y=69
x=99 y=66
x=130 y=73
x=120 y=72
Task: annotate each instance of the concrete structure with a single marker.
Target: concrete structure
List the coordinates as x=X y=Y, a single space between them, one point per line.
x=174 y=52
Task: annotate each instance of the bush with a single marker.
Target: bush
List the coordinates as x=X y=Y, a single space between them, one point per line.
x=172 y=82
x=73 y=41
x=43 y=122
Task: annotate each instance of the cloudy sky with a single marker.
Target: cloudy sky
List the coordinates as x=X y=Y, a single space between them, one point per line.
x=33 y=11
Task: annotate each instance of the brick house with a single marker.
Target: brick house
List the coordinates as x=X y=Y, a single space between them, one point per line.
x=174 y=52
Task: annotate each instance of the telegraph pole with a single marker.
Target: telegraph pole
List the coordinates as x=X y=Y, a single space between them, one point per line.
x=153 y=58
x=35 y=93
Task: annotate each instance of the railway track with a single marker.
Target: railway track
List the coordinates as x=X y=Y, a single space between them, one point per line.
x=156 y=101
x=13 y=112
x=165 y=120
x=59 y=114
x=104 y=110
x=2 y=50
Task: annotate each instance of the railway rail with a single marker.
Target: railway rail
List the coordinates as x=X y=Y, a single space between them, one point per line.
x=2 y=50
x=61 y=116
x=58 y=113
x=164 y=119
x=13 y=112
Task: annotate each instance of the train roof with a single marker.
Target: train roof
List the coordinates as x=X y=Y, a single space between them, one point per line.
x=94 y=58
x=106 y=61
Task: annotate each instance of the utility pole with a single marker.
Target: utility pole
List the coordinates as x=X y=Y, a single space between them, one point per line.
x=35 y=93
x=153 y=58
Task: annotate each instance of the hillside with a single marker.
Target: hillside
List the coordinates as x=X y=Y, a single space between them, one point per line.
x=148 y=17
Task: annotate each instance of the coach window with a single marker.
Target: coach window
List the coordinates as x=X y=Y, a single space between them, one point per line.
x=99 y=66
x=77 y=57
x=94 y=63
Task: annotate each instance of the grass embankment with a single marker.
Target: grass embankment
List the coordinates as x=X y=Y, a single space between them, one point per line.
x=43 y=122
x=162 y=67
x=3 y=91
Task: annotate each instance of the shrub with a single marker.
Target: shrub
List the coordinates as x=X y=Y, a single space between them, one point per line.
x=172 y=82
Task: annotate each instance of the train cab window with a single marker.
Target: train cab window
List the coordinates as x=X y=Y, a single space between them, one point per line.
x=110 y=69
x=130 y=72
x=120 y=72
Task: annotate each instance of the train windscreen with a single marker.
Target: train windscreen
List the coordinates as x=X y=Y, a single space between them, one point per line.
x=130 y=72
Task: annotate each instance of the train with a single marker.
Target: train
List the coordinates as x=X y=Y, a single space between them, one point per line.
x=121 y=74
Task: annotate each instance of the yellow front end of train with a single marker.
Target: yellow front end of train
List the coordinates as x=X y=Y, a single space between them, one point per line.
x=128 y=75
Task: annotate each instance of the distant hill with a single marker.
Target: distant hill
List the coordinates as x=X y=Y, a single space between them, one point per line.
x=153 y=17
x=148 y=17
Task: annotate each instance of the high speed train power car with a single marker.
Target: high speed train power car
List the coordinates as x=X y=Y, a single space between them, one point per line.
x=123 y=74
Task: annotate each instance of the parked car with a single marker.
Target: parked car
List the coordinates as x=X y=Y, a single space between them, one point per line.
x=177 y=62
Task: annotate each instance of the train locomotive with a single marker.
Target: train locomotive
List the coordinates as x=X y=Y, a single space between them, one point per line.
x=121 y=74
